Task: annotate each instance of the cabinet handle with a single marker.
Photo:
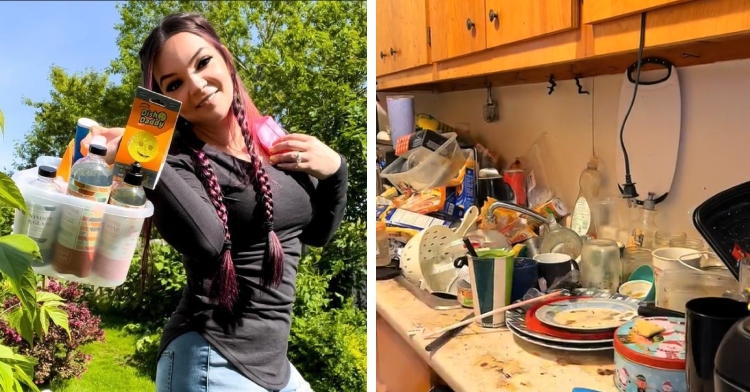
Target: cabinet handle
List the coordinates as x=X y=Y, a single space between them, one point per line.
x=382 y=55
x=493 y=16
x=469 y=24
x=393 y=52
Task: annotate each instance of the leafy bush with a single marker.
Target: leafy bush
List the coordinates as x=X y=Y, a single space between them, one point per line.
x=58 y=352
x=330 y=349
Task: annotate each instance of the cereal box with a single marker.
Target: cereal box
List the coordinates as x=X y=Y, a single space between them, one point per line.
x=148 y=135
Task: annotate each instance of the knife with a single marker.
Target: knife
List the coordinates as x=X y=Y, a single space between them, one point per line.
x=446 y=336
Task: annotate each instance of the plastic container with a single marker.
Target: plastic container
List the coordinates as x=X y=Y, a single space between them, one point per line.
x=434 y=169
x=656 y=364
x=676 y=287
x=78 y=207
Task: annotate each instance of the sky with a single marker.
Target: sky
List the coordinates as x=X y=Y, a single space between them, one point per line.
x=36 y=35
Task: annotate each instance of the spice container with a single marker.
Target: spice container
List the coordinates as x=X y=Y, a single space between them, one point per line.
x=655 y=364
x=382 y=252
x=600 y=265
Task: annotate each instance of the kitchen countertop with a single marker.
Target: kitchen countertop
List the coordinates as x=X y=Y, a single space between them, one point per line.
x=482 y=359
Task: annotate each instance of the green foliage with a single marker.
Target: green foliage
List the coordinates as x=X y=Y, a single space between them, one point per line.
x=88 y=94
x=304 y=63
x=2 y=123
x=34 y=311
x=330 y=349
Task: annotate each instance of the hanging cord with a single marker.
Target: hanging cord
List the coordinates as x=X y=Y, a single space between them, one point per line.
x=593 y=91
x=628 y=189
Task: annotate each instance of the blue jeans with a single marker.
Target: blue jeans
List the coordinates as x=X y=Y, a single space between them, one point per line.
x=190 y=364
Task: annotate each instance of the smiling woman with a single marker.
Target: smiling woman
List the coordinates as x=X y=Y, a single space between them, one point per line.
x=219 y=203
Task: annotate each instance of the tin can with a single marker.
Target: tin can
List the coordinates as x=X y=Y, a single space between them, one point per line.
x=516 y=180
x=656 y=364
x=463 y=292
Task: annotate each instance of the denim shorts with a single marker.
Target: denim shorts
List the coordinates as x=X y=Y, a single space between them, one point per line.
x=190 y=364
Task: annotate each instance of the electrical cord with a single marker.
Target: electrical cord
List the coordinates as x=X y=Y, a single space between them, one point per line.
x=628 y=189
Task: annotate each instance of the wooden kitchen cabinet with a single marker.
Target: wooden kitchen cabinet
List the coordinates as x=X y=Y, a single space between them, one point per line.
x=527 y=41
x=457 y=27
x=398 y=366
x=401 y=36
x=602 y=10
x=515 y=21
x=693 y=21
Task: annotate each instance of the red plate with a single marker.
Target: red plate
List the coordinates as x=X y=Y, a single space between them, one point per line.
x=534 y=325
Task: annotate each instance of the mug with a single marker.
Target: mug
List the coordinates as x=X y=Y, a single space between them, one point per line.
x=552 y=266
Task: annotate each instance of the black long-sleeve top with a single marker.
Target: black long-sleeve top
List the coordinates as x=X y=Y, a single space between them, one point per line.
x=255 y=338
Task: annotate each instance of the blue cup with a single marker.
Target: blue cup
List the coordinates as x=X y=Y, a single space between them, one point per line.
x=525 y=276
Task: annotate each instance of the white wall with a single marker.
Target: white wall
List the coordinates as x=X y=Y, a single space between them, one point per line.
x=714 y=145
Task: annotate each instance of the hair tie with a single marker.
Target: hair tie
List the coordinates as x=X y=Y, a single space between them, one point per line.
x=269 y=226
x=227 y=245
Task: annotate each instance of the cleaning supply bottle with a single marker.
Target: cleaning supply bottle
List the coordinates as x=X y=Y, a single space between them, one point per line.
x=644 y=228
x=590 y=183
x=41 y=225
x=119 y=236
x=80 y=225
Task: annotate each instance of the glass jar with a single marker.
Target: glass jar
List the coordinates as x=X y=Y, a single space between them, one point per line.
x=633 y=258
x=663 y=237
x=689 y=243
x=600 y=265
x=382 y=251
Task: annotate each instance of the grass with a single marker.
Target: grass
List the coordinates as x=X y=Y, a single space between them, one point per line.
x=109 y=370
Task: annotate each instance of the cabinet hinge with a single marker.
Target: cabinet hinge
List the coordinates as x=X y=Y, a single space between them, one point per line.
x=429 y=37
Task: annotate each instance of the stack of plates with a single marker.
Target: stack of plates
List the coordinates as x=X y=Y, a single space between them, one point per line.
x=578 y=320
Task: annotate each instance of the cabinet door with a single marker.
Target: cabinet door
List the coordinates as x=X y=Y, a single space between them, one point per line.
x=458 y=27
x=408 y=30
x=602 y=10
x=398 y=366
x=383 y=37
x=512 y=20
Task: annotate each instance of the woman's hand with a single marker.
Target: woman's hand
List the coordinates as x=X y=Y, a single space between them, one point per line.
x=298 y=152
x=113 y=136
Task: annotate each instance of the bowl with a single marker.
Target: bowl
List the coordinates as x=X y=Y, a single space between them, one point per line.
x=645 y=273
x=639 y=289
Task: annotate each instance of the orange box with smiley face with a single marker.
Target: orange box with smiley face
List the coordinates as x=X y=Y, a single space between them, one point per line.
x=148 y=135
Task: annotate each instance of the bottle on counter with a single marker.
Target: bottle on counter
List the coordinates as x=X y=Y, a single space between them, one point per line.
x=582 y=217
x=41 y=224
x=80 y=225
x=644 y=228
x=119 y=235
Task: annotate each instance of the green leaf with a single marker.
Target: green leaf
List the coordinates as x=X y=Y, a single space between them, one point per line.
x=25 y=374
x=10 y=195
x=44 y=296
x=6 y=353
x=2 y=123
x=59 y=317
x=42 y=324
x=7 y=380
x=23 y=286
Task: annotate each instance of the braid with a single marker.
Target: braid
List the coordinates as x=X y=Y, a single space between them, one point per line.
x=273 y=265
x=223 y=286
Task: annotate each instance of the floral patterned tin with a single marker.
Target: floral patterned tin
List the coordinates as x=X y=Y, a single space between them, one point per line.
x=654 y=365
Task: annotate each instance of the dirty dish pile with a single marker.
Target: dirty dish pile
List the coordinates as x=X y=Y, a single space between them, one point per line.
x=579 y=320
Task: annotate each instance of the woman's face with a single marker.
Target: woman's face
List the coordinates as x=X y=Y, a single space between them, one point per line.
x=189 y=69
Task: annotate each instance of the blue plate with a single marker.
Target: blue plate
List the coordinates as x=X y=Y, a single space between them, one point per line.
x=587 y=314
